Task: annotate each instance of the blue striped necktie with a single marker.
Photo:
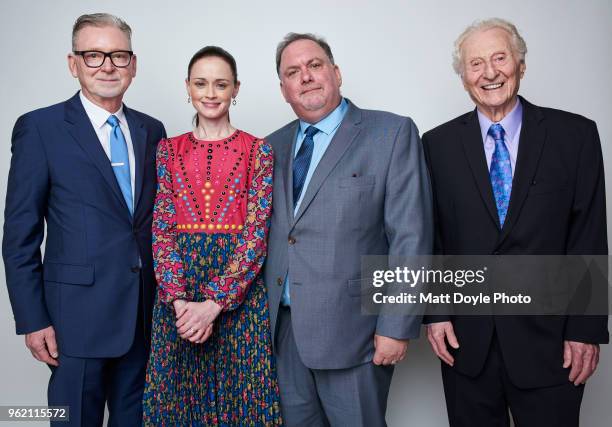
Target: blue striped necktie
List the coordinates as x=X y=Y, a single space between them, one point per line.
x=120 y=161
x=500 y=172
x=301 y=163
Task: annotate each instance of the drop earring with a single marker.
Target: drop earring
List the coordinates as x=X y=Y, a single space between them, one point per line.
x=234 y=101
x=188 y=99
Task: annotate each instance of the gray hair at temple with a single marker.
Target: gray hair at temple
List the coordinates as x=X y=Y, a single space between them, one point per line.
x=518 y=43
x=292 y=37
x=100 y=20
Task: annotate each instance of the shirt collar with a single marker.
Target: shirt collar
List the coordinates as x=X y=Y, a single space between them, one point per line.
x=510 y=122
x=99 y=115
x=330 y=122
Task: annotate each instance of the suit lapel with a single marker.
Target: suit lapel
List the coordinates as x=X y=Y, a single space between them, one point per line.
x=531 y=142
x=344 y=137
x=471 y=138
x=80 y=128
x=138 y=134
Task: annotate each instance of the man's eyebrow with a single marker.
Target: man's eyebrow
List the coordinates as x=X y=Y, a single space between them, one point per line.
x=316 y=58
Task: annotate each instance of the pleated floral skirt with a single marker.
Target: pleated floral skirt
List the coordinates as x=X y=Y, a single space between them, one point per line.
x=229 y=380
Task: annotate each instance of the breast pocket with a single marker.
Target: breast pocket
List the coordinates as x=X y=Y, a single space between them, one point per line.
x=361 y=182
x=539 y=187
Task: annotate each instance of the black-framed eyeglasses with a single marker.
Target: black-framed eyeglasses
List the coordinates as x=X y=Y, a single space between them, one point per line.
x=95 y=58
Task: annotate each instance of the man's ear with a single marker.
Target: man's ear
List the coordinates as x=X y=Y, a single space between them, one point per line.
x=282 y=89
x=338 y=75
x=133 y=65
x=72 y=65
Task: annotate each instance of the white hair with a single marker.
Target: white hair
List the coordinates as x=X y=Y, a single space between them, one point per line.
x=518 y=43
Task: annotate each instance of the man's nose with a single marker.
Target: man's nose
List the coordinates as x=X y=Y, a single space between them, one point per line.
x=107 y=65
x=490 y=72
x=306 y=75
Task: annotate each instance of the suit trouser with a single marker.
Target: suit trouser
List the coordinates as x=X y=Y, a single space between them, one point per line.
x=349 y=397
x=483 y=401
x=87 y=384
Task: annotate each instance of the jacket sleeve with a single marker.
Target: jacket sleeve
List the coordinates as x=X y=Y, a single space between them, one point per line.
x=433 y=311
x=167 y=262
x=24 y=215
x=229 y=289
x=408 y=223
x=587 y=230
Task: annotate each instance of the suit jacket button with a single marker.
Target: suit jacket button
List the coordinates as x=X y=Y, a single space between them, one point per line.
x=135 y=269
x=291 y=240
x=279 y=281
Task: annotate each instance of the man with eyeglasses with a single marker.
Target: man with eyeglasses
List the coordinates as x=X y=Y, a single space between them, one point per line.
x=86 y=168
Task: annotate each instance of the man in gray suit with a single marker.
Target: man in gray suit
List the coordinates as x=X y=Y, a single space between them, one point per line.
x=347 y=182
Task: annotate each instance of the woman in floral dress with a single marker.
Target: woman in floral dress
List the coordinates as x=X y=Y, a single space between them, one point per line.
x=211 y=360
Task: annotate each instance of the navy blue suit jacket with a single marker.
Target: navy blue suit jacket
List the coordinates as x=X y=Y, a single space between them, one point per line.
x=97 y=258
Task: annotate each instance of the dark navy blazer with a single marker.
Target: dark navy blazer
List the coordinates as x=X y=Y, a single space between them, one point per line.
x=557 y=207
x=96 y=254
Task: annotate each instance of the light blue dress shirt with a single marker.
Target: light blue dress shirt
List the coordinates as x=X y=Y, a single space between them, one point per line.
x=512 y=124
x=327 y=129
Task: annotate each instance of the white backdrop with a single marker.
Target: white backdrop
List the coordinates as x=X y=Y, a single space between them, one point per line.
x=394 y=55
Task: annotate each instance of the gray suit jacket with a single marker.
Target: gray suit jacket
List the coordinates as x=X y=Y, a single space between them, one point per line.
x=370 y=195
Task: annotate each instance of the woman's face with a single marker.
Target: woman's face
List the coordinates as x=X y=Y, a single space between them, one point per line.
x=211 y=87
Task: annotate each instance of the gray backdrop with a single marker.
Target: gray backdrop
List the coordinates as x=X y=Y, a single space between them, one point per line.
x=395 y=55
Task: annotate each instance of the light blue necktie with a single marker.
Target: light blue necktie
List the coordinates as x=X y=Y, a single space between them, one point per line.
x=120 y=161
x=501 y=172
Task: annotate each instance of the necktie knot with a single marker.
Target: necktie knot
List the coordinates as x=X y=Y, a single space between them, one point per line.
x=113 y=120
x=311 y=131
x=497 y=132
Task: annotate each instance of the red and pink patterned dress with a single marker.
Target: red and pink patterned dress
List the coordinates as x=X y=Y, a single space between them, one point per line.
x=210 y=225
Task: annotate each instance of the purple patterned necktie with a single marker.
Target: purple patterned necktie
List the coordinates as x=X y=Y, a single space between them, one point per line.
x=500 y=172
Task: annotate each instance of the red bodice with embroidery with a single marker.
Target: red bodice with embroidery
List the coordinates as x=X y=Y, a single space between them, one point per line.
x=211 y=179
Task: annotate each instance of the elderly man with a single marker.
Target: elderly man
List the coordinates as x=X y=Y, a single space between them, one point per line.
x=514 y=178
x=347 y=182
x=86 y=167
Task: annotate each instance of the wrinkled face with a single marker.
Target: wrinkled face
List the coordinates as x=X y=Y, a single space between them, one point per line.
x=310 y=83
x=106 y=83
x=491 y=71
x=211 y=87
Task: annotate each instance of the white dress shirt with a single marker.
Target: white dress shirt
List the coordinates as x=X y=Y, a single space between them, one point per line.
x=98 y=117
